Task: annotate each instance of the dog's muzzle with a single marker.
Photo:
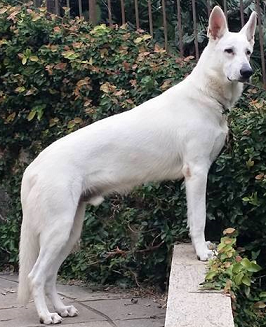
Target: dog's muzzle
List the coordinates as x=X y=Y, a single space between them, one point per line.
x=245 y=73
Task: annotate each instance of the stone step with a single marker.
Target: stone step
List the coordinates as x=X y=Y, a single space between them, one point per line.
x=187 y=305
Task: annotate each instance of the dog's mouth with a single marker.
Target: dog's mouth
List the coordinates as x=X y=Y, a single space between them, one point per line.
x=244 y=80
x=240 y=80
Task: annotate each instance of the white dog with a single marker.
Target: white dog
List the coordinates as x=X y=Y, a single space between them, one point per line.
x=177 y=134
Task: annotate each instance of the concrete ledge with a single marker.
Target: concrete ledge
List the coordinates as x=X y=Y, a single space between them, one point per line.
x=187 y=306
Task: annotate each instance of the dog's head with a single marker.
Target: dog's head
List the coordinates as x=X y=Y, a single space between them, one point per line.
x=232 y=50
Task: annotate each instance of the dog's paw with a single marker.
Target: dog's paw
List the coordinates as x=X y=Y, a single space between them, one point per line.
x=205 y=255
x=51 y=319
x=68 y=311
x=211 y=246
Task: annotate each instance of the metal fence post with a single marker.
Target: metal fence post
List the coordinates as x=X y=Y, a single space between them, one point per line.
x=258 y=9
x=92 y=12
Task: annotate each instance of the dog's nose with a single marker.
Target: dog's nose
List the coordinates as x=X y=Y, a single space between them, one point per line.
x=246 y=72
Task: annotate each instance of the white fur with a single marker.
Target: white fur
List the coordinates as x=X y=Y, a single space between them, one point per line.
x=177 y=134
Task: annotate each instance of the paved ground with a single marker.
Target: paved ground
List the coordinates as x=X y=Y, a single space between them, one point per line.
x=96 y=308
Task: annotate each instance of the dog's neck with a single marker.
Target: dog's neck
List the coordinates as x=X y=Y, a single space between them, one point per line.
x=214 y=84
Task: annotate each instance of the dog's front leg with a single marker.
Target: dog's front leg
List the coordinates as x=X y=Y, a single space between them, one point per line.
x=196 y=182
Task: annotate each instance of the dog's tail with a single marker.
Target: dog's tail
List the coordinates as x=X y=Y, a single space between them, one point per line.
x=28 y=247
x=28 y=253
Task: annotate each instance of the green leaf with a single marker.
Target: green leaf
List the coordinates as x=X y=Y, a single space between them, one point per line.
x=28 y=52
x=238 y=278
x=70 y=54
x=247 y=291
x=260 y=305
x=39 y=114
x=262 y=294
x=246 y=280
x=146 y=37
x=31 y=115
x=220 y=247
x=20 y=89
x=10 y=117
x=138 y=40
x=211 y=275
x=71 y=124
x=3 y=41
x=254 y=267
x=250 y=163
x=236 y=268
x=34 y=58
x=246 y=263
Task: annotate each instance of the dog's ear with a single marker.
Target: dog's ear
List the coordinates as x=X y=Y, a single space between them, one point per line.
x=217 y=24
x=250 y=27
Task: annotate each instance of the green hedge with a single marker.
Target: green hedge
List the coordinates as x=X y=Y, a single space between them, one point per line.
x=57 y=75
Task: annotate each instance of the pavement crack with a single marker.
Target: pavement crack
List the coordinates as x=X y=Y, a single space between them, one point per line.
x=10 y=280
x=104 y=299
x=8 y=308
x=108 y=319
x=142 y=318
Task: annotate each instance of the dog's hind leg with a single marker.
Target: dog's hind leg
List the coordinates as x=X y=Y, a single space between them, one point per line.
x=53 y=239
x=50 y=286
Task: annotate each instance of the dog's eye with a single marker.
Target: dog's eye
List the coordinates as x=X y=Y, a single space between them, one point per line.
x=248 y=52
x=229 y=50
